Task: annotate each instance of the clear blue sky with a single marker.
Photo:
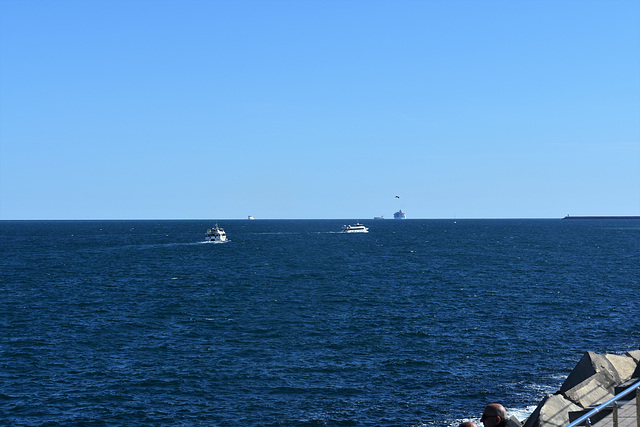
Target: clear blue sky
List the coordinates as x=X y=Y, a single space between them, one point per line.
x=319 y=109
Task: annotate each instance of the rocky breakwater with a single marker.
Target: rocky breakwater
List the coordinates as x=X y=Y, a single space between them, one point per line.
x=595 y=379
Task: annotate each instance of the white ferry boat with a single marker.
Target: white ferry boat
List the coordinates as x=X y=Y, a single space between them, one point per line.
x=216 y=234
x=358 y=228
x=400 y=215
x=251 y=217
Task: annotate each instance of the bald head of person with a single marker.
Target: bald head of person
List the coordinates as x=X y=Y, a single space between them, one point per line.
x=494 y=415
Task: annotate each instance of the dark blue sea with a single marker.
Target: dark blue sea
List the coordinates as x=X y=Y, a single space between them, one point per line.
x=292 y=323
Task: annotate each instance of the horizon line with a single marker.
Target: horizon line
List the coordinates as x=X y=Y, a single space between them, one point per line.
x=322 y=219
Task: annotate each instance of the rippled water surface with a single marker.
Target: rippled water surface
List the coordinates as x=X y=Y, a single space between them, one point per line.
x=418 y=322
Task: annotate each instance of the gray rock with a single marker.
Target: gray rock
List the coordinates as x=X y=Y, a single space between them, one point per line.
x=623 y=366
x=635 y=355
x=624 y=386
x=553 y=411
x=591 y=392
x=590 y=364
x=593 y=381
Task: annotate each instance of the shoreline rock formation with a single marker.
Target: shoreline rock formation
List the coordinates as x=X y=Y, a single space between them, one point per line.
x=592 y=382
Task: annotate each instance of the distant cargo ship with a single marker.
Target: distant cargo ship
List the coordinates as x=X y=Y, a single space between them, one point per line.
x=378 y=217
x=400 y=215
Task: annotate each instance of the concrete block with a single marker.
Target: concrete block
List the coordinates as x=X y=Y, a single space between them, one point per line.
x=590 y=364
x=514 y=422
x=624 y=386
x=635 y=355
x=592 y=391
x=590 y=383
x=622 y=365
x=553 y=411
x=598 y=416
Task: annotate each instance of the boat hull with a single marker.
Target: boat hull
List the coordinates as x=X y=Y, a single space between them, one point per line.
x=358 y=228
x=216 y=234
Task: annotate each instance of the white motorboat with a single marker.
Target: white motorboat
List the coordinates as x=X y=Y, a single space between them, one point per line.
x=358 y=228
x=216 y=234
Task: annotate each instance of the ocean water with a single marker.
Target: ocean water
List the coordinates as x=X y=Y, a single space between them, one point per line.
x=292 y=323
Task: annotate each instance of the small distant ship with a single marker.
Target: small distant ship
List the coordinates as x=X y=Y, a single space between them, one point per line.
x=400 y=215
x=358 y=228
x=216 y=234
x=251 y=217
x=378 y=217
